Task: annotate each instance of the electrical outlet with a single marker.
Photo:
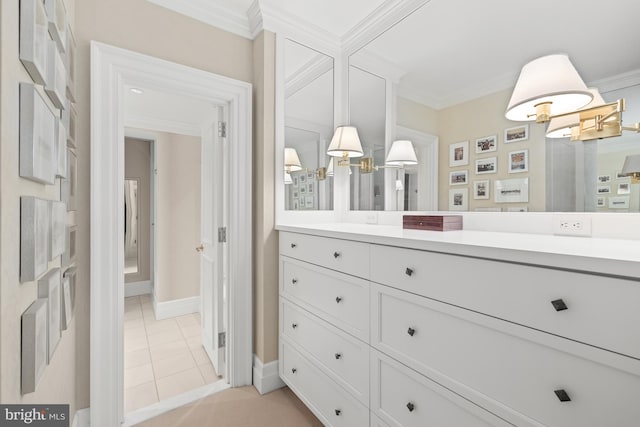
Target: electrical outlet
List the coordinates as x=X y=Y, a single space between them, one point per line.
x=572 y=225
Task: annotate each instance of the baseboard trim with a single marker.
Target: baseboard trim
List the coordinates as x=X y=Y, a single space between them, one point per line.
x=178 y=307
x=82 y=418
x=265 y=376
x=137 y=288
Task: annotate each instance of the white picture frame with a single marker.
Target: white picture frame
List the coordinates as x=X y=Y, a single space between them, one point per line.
x=519 y=161
x=72 y=274
x=69 y=254
x=487 y=144
x=69 y=185
x=459 y=177
x=459 y=199
x=49 y=288
x=481 y=189
x=308 y=202
x=66 y=310
x=601 y=202
x=459 y=154
x=34 y=345
x=619 y=202
x=57 y=17
x=56 y=86
x=486 y=165
x=72 y=128
x=511 y=190
x=603 y=189
x=70 y=65
x=61 y=150
x=37 y=137
x=604 y=179
x=624 y=187
x=34 y=238
x=58 y=218
x=516 y=134
x=34 y=39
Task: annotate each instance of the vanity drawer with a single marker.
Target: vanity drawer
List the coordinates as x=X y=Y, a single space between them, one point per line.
x=340 y=299
x=599 y=310
x=403 y=398
x=343 y=357
x=341 y=255
x=500 y=370
x=328 y=401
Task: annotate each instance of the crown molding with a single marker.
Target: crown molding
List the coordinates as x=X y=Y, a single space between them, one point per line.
x=254 y=15
x=307 y=73
x=377 y=65
x=619 y=81
x=212 y=14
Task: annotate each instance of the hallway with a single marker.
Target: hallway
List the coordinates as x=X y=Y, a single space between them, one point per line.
x=163 y=358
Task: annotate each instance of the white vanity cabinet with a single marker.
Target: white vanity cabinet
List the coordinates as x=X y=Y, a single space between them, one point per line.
x=422 y=337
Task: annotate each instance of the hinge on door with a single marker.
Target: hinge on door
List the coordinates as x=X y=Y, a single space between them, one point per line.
x=222 y=234
x=222 y=339
x=222 y=129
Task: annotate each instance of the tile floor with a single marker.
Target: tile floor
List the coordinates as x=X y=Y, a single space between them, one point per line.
x=162 y=358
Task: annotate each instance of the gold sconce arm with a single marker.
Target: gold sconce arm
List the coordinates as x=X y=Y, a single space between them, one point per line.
x=365 y=165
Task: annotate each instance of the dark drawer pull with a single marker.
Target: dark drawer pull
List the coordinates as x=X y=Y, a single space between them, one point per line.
x=336 y=255
x=408 y=272
x=338 y=412
x=294 y=325
x=411 y=406
x=294 y=281
x=294 y=370
x=338 y=299
x=559 y=305
x=293 y=245
x=338 y=356
x=562 y=395
x=411 y=331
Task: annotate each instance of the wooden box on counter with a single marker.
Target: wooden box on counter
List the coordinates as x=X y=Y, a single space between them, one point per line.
x=432 y=222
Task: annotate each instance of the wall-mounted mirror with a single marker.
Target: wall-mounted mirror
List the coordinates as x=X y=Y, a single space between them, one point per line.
x=131 y=226
x=308 y=111
x=452 y=75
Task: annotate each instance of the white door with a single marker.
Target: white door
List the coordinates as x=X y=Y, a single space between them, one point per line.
x=213 y=249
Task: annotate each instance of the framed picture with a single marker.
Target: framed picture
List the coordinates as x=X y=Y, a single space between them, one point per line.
x=311 y=175
x=603 y=189
x=486 y=144
x=56 y=86
x=301 y=204
x=519 y=161
x=57 y=17
x=69 y=255
x=303 y=178
x=515 y=134
x=624 y=188
x=296 y=194
x=303 y=188
x=511 y=191
x=34 y=238
x=487 y=165
x=34 y=344
x=600 y=202
x=518 y=209
x=620 y=175
x=58 y=218
x=619 y=202
x=459 y=177
x=488 y=209
x=61 y=149
x=37 y=137
x=34 y=39
x=69 y=185
x=49 y=288
x=66 y=311
x=71 y=273
x=70 y=65
x=604 y=179
x=459 y=199
x=295 y=181
x=310 y=188
x=296 y=205
x=481 y=190
x=308 y=202
x=459 y=154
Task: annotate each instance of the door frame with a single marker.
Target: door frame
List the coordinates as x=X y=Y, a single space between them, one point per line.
x=111 y=69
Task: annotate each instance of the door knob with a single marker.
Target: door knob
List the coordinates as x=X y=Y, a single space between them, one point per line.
x=200 y=248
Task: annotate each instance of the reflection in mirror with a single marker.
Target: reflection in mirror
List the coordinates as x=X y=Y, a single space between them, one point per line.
x=130 y=226
x=367 y=112
x=486 y=162
x=308 y=126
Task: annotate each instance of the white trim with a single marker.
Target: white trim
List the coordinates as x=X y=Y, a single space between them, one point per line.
x=111 y=69
x=81 y=418
x=175 y=308
x=166 y=405
x=132 y=289
x=265 y=376
x=164 y=125
x=620 y=81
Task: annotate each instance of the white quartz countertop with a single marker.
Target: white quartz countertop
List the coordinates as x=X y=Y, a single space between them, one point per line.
x=615 y=257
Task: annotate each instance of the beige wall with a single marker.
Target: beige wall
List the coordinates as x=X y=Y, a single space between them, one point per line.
x=484 y=117
x=58 y=383
x=178 y=216
x=414 y=115
x=265 y=239
x=137 y=165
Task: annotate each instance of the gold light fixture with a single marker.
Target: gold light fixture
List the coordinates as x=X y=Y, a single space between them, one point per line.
x=345 y=144
x=400 y=155
x=550 y=88
x=631 y=168
x=292 y=164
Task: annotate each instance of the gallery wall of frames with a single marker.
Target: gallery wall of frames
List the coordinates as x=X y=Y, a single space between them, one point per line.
x=47 y=146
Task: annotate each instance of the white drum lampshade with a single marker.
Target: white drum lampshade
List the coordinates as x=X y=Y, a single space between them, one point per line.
x=291 y=160
x=345 y=143
x=401 y=154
